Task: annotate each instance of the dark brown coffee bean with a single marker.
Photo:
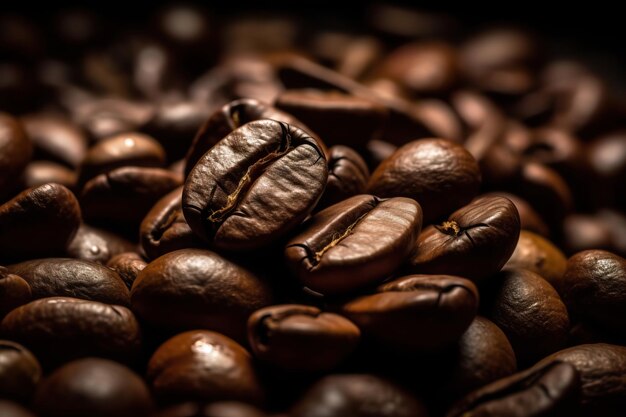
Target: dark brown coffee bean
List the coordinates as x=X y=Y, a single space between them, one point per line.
x=125 y=149
x=440 y=175
x=355 y=243
x=475 y=242
x=378 y=151
x=539 y=255
x=38 y=222
x=529 y=219
x=164 y=229
x=583 y=232
x=10 y=409
x=62 y=277
x=104 y=117
x=15 y=152
x=593 y=288
x=127 y=265
x=38 y=173
x=347 y=176
x=125 y=195
x=14 y=291
x=194 y=288
x=97 y=245
x=203 y=366
x=602 y=369
x=530 y=312
x=441 y=119
x=339 y=119
x=60 y=329
x=55 y=139
x=255 y=185
x=216 y=409
x=437 y=308
x=301 y=338
x=19 y=372
x=357 y=395
x=93 y=387
x=550 y=390
x=607 y=158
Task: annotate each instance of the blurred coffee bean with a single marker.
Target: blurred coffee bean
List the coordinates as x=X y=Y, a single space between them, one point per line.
x=10 y=409
x=529 y=218
x=97 y=245
x=127 y=265
x=216 y=409
x=582 y=232
x=15 y=152
x=607 y=157
x=55 y=138
x=347 y=176
x=38 y=173
x=14 y=291
x=377 y=151
x=19 y=373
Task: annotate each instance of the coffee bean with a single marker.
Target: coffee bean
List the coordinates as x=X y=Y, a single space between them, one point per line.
x=127 y=265
x=38 y=173
x=347 y=176
x=530 y=220
x=19 y=372
x=97 y=245
x=14 y=291
x=15 y=152
x=10 y=409
x=216 y=409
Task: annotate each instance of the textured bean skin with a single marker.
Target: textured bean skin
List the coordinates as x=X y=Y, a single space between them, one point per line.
x=438 y=308
x=255 y=185
x=195 y=288
x=301 y=338
x=15 y=151
x=97 y=245
x=19 y=372
x=59 y=329
x=347 y=176
x=71 y=391
x=203 y=366
x=475 y=242
x=64 y=277
x=355 y=243
x=38 y=222
x=14 y=291
x=127 y=265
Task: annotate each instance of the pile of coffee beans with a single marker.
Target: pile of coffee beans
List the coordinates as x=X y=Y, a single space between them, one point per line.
x=257 y=216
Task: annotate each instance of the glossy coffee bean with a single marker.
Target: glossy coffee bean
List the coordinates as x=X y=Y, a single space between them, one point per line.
x=438 y=308
x=202 y=365
x=347 y=176
x=19 y=372
x=97 y=245
x=549 y=390
x=216 y=409
x=231 y=117
x=38 y=222
x=194 y=288
x=475 y=242
x=355 y=243
x=530 y=312
x=530 y=220
x=301 y=338
x=127 y=265
x=94 y=387
x=440 y=175
x=339 y=119
x=55 y=139
x=125 y=149
x=59 y=329
x=11 y=409
x=255 y=185
x=38 y=173
x=357 y=395
x=602 y=369
x=14 y=291
x=15 y=152
x=164 y=229
x=64 y=277
x=125 y=195
x=539 y=255
x=593 y=288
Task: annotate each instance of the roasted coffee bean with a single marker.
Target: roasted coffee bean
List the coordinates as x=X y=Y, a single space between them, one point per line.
x=19 y=372
x=97 y=245
x=38 y=222
x=607 y=158
x=539 y=255
x=14 y=291
x=347 y=176
x=64 y=277
x=593 y=288
x=582 y=232
x=55 y=139
x=164 y=229
x=438 y=308
x=440 y=175
x=125 y=149
x=549 y=390
x=10 y=409
x=15 y=152
x=355 y=243
x=231 y=117
x=127 y=265
x=255 y=185
x=125 y=195
x=357 y=395
x=475 y=242
x=530 y=312
x=378 y=151
x=93 y=387
x=602 y=369
x=203 y=366
x=59 y=329
x=530 y=220
x=337 y=118
x=301 y=338
x=216 y=409
x=38 y=173
x=193 y=288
